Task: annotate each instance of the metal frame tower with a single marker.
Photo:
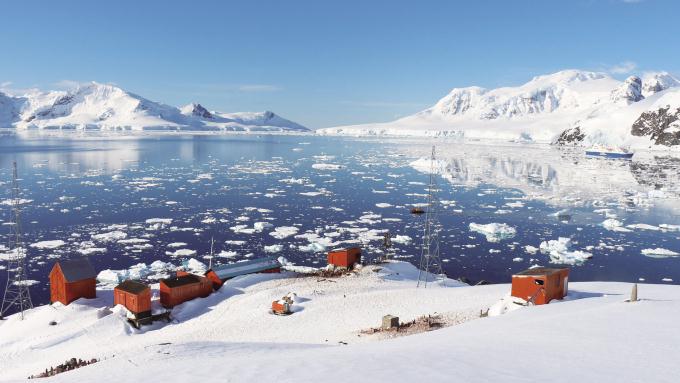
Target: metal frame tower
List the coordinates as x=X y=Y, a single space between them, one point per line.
x=430 y=262
x=16 y=293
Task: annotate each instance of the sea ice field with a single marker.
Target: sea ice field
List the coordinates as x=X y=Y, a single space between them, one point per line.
x=140 y=205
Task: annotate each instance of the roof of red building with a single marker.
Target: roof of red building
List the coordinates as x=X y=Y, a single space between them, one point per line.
x=181 y=281
x=77 y=269
x=134 y=287
x=539 y=271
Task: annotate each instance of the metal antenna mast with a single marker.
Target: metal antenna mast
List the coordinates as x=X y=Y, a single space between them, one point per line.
x=430 y=263
x=16 y=294
x=212 y=243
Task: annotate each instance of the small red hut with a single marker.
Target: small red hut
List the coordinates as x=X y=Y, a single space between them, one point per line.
x=135 y=296
x=540 y=285
x=344 y=257
x=182 y=288
x=72 y=279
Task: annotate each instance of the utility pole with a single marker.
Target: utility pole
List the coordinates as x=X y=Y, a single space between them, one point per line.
x=16 y=294
x=430 y=263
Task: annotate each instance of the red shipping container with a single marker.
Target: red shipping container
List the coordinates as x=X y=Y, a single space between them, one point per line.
x=344 y=257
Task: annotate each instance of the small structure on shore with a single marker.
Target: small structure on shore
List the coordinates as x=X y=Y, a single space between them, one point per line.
x=134 y=296
x=540 y=285
x=390 y=322
x=182 y=288
x=72 y=279
x=220 y=274
x=346 y=258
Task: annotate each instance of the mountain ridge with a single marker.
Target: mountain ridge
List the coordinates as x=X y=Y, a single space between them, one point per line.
x=96 y=106
x=543 y=109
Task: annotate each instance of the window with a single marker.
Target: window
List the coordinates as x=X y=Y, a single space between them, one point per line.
x=539 y=282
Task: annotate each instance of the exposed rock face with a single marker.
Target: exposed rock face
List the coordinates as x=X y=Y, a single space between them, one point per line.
x=570 y=136
x=199 y=111
x=662 y=126
x=630 y=91
x=657 y=82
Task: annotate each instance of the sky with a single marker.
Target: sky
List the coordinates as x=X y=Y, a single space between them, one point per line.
x=326 y=63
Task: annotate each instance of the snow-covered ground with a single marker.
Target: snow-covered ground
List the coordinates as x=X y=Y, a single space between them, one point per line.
x=594 y=335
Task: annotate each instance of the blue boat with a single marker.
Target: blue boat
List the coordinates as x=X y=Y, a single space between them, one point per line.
x=609 y=152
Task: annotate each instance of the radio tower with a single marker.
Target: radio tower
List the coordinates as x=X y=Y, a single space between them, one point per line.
x=430 y=263
x=16 y=295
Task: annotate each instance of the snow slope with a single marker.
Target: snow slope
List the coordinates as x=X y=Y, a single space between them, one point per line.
x=230 y=336
x=97 y=106
x=539 y=110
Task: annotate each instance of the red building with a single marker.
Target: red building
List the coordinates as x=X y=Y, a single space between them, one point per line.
x=540 y=285
x=182 y=288
x=72 y=279
x=344 y=257
x=135 y=296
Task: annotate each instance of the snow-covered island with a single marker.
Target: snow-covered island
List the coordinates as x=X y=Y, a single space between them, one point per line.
x=592 y=335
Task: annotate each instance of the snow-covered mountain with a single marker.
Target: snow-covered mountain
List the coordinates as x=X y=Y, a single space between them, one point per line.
x=107 y=107
x=599 y=108
x=238 y=121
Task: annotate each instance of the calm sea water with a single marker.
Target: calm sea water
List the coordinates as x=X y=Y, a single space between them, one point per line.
x=335 y=191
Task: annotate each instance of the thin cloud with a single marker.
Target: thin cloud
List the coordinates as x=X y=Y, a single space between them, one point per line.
x=68 y=84
x=384 y=104
x=623 y=68
x=259 y=88
x=5 y=84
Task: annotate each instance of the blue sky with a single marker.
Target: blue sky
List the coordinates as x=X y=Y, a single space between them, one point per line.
x=324 y=63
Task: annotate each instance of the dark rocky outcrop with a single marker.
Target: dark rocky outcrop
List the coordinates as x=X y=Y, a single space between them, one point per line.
x=199 y=111
x=571 y=136
x=630 y=91
x=661 y=126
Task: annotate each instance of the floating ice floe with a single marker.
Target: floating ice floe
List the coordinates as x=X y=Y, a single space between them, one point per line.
x=273 y=248
x=19 y=201
x=181 y=253
x=614 y=225
x=560 y=252
x=383 y=205
x=668 y=227
x=234 y=242
x=494 y=232
x=260 y=226
x=282 y=232
x=177 y=244
x=242 y=229
x=227 y=254
x=326 y=166
x=643 y=226
x=659 y=253
x=313 y=247
x=403 y=239
x=112 y=236
x=53 y=244
x=530 y=249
